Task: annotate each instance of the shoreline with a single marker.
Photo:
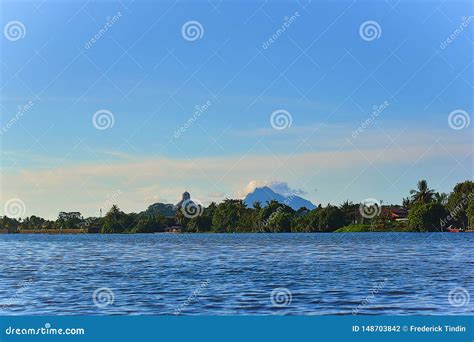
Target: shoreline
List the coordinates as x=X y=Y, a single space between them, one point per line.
x=227 y=233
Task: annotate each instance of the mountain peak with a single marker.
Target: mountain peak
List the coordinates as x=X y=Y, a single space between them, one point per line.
x=265 y=194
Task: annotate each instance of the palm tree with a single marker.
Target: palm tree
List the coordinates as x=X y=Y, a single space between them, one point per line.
x=257 y=205
x=406 y=202
x=441 y=198
x=345 y=205
x=114 y=213
x=423 y=194
x=348 y=209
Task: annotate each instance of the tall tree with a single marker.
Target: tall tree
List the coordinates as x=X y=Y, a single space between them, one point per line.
x=441 y=198
x=458 y=201
x=427 y=217
x=116 y=221
x=423 y=194
x=350 y=211
x=406 y=202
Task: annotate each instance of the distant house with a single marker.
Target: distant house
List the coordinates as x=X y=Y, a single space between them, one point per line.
x=174 y=229
x=396 y=213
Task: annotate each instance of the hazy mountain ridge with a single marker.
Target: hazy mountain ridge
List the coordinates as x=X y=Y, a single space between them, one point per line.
x=265 y=194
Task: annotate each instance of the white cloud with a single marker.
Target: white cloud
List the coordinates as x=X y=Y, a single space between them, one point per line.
x=142 y=181
x=279 y=187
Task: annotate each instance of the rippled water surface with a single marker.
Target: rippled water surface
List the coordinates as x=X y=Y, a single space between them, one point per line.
x=371 y=273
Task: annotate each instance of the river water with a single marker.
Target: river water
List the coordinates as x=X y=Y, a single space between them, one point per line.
x=237 y=274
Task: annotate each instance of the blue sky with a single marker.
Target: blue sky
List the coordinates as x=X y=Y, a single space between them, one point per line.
x=320 y=70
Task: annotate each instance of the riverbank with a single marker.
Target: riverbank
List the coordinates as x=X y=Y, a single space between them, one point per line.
x=54 y=231
x=367 y=228
x=353 y=228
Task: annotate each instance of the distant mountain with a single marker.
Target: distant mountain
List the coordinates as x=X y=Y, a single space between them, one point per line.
x=265 y=194
x=161 y=209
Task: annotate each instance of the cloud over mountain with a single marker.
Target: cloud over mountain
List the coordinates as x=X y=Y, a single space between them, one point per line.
x=281 y=188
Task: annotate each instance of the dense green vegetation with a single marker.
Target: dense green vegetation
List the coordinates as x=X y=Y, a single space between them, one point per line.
x=427 y=211
x=355 y=228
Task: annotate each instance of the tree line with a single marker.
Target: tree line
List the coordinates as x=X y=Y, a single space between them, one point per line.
x=427 y=211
